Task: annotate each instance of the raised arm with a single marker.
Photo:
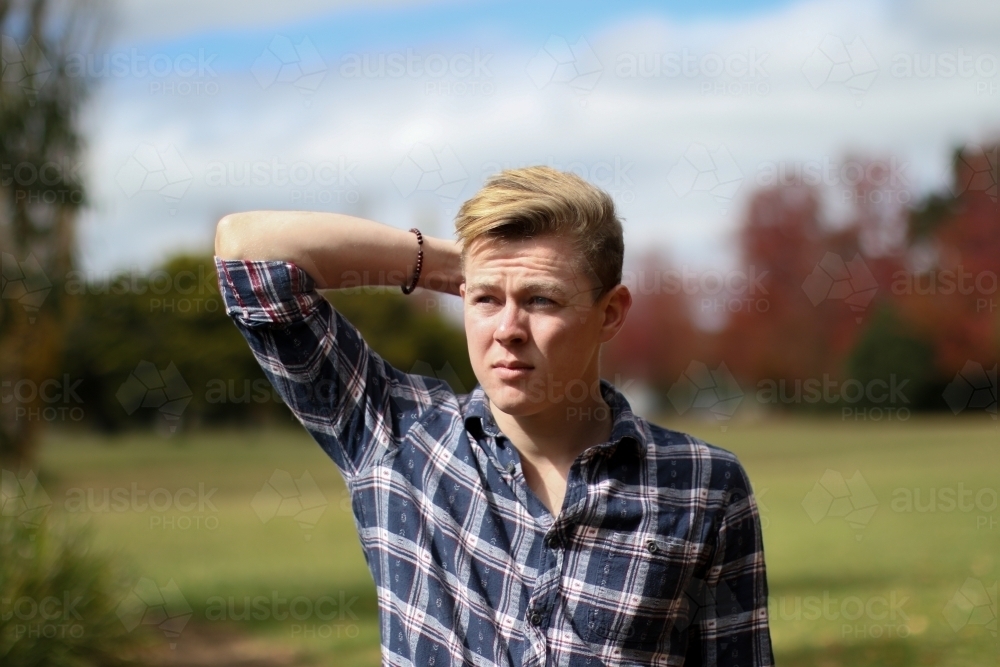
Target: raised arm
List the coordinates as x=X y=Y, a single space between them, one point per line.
x=270 y=263
x=339 y=250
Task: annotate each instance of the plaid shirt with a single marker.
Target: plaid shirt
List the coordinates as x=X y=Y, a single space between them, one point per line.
x=655 y=559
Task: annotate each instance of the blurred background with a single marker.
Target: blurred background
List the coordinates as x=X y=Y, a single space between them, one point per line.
x=809 y=192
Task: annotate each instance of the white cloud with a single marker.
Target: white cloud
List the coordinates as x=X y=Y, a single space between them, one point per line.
x=964 y=20
x=150 y=20
x=626 y=133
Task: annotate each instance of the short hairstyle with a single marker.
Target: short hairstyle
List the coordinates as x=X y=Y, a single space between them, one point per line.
x=518 y=204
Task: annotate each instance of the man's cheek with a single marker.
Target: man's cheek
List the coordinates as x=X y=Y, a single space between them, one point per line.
x=473 y=334
x=478 y=344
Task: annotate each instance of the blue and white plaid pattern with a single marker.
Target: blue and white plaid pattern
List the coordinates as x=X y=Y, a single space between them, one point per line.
x=655 y=559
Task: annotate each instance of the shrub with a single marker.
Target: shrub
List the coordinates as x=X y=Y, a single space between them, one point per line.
x=58 y=599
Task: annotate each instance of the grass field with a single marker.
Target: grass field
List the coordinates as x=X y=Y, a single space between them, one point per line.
x=885 y=588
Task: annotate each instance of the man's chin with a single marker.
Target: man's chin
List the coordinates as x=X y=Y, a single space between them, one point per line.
x=512 y=399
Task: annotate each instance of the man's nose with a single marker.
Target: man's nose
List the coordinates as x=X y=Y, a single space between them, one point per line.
x=511 y=326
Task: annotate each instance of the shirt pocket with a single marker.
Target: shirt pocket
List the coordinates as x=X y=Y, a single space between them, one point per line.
x=637 y=592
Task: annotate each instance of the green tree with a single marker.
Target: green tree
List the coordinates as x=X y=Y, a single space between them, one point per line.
x=888 y=347
x=170 y=323
x=40 y=196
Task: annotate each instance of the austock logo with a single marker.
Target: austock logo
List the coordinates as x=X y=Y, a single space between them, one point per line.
x=147 y=387
x=284 y=62
x=23 y=498
x=973 y=604
x=23 y=66
x=559 y=62
x=979 y=171
x=326 y=181
x=873 y=400
x=612 y=176
x=763 y=511
x=24 y=282
x=706 y=603
x=701 y=169
x=889 y=179
x=699 y=388
x=59 y=399
x=733 y=73
x=151 y=170
x=427 y=170
x=299 y=498
x=833 y=496
x=446 y=373
x=839 y=63
x=851 y=282
x=460 y=74
x=871 y=617
x=162 y=606
x=974 y=387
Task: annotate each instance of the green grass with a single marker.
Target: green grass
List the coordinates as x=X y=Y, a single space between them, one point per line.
x=917 y=558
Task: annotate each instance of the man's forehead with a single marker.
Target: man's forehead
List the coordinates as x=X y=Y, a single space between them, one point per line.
x=527 y=274
x=548 y=256
x=549 y=263
x=558 y=276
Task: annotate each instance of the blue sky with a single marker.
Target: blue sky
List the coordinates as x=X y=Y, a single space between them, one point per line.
x=362 y=27
x=682 y=152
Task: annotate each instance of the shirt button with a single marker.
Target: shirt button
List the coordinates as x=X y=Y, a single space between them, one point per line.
x=536 y=619
x=652 y=547
x=510 y=467
x=552 y=541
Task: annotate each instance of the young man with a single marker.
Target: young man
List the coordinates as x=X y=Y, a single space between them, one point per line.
x=537 y=520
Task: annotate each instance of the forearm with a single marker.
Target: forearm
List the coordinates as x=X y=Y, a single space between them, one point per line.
x=339 y=250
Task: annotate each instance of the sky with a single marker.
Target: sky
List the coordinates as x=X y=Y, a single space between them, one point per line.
x=399 y=111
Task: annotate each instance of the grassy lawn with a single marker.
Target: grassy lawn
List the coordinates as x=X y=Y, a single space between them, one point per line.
x=869 y=588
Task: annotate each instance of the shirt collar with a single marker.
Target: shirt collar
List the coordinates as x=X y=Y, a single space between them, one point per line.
x=625 y=425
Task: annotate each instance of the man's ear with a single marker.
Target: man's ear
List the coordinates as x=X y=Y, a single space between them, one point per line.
x=616 y=306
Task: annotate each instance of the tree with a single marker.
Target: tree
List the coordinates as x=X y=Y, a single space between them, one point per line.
x=658 y=339
x=40 y=197
x=138 y=332
x=782 y=238
x=954 y=296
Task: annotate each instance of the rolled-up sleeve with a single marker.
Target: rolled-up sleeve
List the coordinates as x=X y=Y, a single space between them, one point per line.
x=341 y=391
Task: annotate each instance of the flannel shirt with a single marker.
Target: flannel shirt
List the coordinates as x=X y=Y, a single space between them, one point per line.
x=656 y=557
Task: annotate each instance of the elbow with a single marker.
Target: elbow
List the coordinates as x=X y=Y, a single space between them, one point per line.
x=227 y=237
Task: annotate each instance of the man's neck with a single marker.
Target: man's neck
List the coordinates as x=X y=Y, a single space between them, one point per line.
x=551 y=440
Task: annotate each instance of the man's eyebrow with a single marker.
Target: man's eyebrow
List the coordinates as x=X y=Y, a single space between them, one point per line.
x=480 y=286
x=548 y=288
x=531 y=286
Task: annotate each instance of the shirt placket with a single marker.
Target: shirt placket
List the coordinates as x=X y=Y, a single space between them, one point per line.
x=543 y=617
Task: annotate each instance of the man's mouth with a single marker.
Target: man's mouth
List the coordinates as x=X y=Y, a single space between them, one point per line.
x=511 y=370
x=512 y=364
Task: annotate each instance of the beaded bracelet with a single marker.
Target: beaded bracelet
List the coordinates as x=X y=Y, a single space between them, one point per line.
x=420 y=263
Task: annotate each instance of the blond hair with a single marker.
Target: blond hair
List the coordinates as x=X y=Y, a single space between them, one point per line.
x=525 y=203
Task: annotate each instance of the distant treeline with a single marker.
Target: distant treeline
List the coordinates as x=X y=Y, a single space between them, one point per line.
x=896 y=309
x=158 y=346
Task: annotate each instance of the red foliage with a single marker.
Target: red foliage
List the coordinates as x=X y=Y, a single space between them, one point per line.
x=822 y=283
x=955 y=300
x=658 y=339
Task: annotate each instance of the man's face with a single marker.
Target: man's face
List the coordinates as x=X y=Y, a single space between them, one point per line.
x=532 y=324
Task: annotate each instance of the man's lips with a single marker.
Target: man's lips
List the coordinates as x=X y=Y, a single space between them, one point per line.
x=511 y=370
x=514 y=365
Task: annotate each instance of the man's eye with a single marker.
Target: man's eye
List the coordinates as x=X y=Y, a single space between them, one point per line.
x=483 y=298
x=541 y=301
